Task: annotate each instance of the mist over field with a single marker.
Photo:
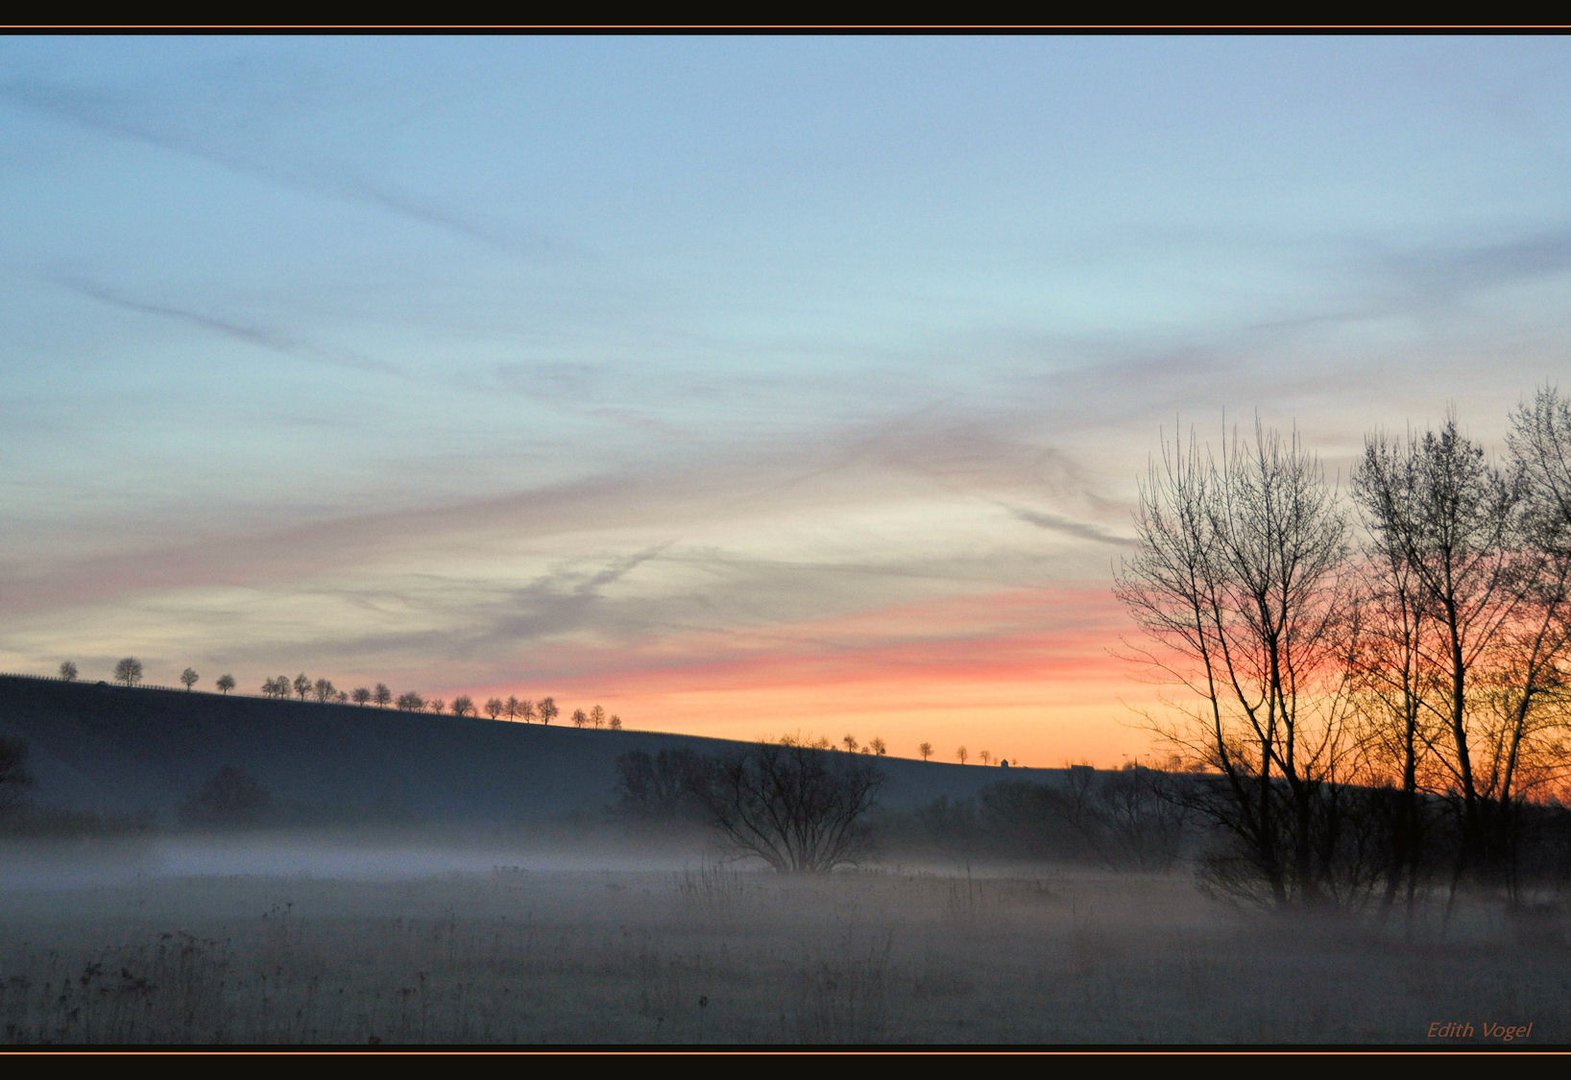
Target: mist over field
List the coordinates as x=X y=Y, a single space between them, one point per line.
x=1013 y=911
x=812 y=540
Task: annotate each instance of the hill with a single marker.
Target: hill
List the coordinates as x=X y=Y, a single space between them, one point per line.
x=112 y=750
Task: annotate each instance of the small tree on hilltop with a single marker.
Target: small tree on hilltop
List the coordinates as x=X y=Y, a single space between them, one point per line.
x=68 y=671
x=510 y=708
x=381 y=695
x=494 y=707
x=463 y=705
x=189 y=678
x=129 y=671
x=926 y=750
x=548 y=710
x=436 y=705
x=302 y=685
x=597 y=717
x=962 y=755
x=615 y=723
x=526 y=711
x=325 y=691
x=226 y=683
x=361 y=696
x=876 y=745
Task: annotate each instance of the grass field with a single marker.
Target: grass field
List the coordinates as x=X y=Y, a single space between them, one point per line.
x=710 y=955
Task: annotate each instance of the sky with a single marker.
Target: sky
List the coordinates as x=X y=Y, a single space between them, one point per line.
x=744 y=385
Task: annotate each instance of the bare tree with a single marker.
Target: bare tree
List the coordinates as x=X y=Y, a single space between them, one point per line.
x=302 y=685
x=597 y=717
x=381 y=695
x=1488 y=601
x=526 y=711
x=325 y=690
x=494 y=707
x=615 y=723
x=926 y=750
x=225 y=684
x=361 y=696
x=411 y=702
x=510 y=708
x=548 y=710
x=850 y=743
x=580 y=718
x=68 y=671
x=463 y=705
x=985 y=756
x=800 y=810
x=436 y=705
x=1239 y=584
x=962 y=754
x=129 y=671
x=189 y=677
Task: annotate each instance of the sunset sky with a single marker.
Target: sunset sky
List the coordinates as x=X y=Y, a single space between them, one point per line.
x=744 y=385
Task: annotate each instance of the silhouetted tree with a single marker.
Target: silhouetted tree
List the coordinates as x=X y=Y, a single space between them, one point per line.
x=1447 y=515
x=926 y=750
x=342 y=698
x=962 y=755
x=665 y=789
x=362 y=696
x=850 y=743
x=597 y=717
x=381 y=695
x=494 y=707
x=580 y=718
x=1240 y=583
x=302 y=685
x=230 y=798
x=325 y=691
x=510 y=708
x=615 y=723
x=548 y=710
x=463 y=705
x=436 y=705
x=189 y=677
x=526 y=711
x=225 y=684
x=876 y=745
x=68 y=671
x=798 y=809
x=129 y=671
x=985 y=757
x=14 y=777
x=411 y=702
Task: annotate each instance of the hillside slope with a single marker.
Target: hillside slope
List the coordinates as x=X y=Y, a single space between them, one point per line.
x=109 y=749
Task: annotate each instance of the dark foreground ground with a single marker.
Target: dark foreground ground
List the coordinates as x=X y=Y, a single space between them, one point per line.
x=396 y=950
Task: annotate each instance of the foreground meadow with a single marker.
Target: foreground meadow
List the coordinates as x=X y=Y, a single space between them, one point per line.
x=710 y=955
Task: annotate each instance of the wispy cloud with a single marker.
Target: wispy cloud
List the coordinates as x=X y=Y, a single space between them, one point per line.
x=250 y=334
x=1084 y=530
x=313 y=173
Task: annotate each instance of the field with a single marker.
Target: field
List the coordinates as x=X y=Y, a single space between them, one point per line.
x=542 y=952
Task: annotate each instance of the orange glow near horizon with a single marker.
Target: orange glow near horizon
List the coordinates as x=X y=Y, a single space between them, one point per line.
x=987 y=672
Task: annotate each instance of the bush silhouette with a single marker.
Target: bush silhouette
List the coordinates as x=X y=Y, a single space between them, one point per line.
x=230 y=798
